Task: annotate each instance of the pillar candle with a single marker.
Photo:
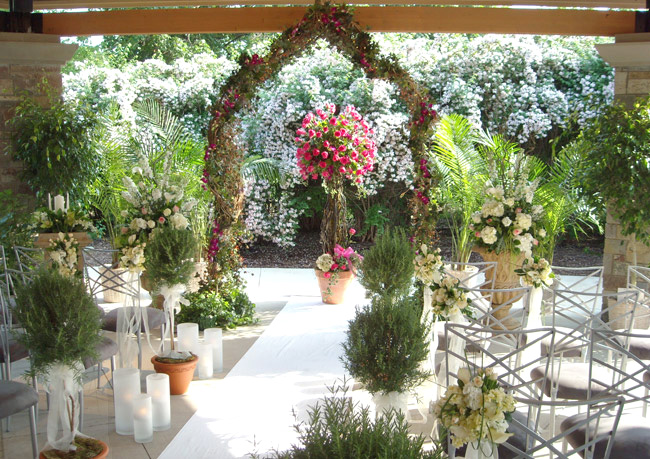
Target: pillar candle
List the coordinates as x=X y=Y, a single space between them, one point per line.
x=49 y=201
x=142 y=419
x=205 y=361
x=188 y=337
x=126 y=385
x=214 y=336
x=59 y=202
x=158 y=388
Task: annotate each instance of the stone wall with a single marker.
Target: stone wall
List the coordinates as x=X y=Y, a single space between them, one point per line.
x=25 y=60
x=630 y=57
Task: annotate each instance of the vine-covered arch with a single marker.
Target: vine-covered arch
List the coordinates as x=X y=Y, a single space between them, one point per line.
x=336 y=24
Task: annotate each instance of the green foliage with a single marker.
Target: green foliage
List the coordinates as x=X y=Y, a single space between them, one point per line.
x=60 y=319
x=339 y=428
x=387 y=267
x=53 y=142
x=616 y=164
x=15 y=228
x=377 y=218
x=169 y=255
x=386 y=342
x=227 y=308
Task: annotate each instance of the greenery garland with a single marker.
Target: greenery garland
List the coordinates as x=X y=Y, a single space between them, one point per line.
x=337 y=25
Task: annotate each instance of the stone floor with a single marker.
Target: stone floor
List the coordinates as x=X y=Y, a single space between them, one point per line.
x=267 y=288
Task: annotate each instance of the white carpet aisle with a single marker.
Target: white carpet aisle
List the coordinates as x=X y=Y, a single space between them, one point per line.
x=287 y=368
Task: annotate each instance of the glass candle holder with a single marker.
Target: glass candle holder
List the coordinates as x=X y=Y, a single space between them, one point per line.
x=126 y=385
x=205 y=361
x=142 y=419
x=214 y=336
x=158 y=388
x=188 y=337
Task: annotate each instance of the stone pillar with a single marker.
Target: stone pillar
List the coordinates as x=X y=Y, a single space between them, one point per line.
x=630 y=57
x=25 y=60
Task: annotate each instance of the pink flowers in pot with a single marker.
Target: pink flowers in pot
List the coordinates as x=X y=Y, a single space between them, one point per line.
x=331 y=145
x=341 y=260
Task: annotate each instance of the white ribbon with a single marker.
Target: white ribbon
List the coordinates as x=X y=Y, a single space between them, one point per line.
x=455 y=345
x=534 y=321
x=173 y=299
x=64 y=407
x=129 y=321
x=484 y=450
x=384 y=402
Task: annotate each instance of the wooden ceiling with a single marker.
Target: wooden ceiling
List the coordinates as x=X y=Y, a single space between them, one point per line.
x=550 y=17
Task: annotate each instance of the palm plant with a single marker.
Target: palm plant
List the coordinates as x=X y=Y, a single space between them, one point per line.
x=464 y=172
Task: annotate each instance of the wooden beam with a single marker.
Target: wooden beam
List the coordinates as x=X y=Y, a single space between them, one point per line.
x=70 y=4
x=376 y=19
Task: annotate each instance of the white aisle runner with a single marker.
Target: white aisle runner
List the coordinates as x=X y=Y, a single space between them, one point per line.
x=288 y=368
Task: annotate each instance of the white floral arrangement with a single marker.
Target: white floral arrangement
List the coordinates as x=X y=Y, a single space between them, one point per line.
x=477 y=410
x=429 y=267
x=62 y=221
x=449 y=298
x=536 y=272
x=155 y=202
x=508 y=220
x=63 y=252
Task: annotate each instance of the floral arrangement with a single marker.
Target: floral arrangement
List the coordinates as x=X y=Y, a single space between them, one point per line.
x=340 y=261
x=475 y=410
x=536 y=272
x=155 y=202
x=333 y=145
x=429 y=267
x=450 y=298
x=508 y=220
x=63 y=252
x=62 y=221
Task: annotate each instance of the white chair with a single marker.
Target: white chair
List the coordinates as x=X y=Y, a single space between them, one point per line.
x=473 y=275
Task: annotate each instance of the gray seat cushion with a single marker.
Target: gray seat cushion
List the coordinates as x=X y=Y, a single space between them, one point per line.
x=155 y=317
x=646 y=377
x=565 y=345
x=631 y=441
x=572 y=381
x=640 y=346
x=106 y=349
x=16 y=351
x=16 y=397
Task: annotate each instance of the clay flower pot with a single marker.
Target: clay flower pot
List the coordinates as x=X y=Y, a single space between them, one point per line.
x=333 y=289
x=101 y=455
x=180 y=374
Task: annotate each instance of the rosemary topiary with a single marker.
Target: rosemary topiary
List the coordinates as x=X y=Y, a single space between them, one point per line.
x=168 y=256
x=60 y=320
x=386 y=342
x=387 y=267
x=339 y=428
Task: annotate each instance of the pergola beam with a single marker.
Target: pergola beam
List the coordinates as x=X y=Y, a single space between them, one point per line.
x=423 y=19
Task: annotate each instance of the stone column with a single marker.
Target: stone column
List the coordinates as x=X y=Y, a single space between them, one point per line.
x=630 y=57
x=25 y=60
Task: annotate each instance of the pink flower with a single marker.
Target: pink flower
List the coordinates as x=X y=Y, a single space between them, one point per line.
x=516 y=232
x=300 y=132
x=124 y=230
x=477 y=234
x=162 y=220
x=344 y=268
x=342 y=170
x=322 y=164
x=333 y=121
x=314 y=176
x=334 y=266
x=535 y=242
x=312 y=133
x=518 y=210
x=324 y=154
x=176 y=209
x=352 y=231
x=144 y=211
x=327 y=275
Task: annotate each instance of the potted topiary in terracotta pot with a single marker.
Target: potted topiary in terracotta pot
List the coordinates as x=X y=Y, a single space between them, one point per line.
x=169 y=265
x=61 y=328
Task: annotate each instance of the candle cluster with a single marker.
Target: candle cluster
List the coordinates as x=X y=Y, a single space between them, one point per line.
x=210 y=351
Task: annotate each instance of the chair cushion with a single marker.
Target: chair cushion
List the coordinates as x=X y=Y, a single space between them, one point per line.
x=564 y=344
x=155 y=317
x=16 y=351
x=632 y=438
x=572 y=380
x=16 y=397
x=646 y=377
x=106 y=349
x=640 y=347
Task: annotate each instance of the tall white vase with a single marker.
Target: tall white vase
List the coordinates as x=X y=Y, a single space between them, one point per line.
x=485 y=450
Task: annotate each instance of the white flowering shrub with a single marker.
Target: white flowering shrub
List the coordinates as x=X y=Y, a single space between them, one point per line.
x=525 y=87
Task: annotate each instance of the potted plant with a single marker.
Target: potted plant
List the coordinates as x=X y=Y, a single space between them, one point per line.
x=385 y=347
x=169 y=264
x=335 y=273
x=61 y=328
x=334 y=146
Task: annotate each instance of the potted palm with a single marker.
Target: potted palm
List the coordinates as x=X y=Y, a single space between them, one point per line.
x=61 y=328
x=170 y=266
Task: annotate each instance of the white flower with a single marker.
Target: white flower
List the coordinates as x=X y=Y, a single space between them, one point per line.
x=541 y=232
x=476 y=217
x=506 y=221
x=167 y=212
x=510 y=202
x=137 y=170
x=489 y=235
x=324 y=262
x=156 y=194
x=151 y=224
x=178 y=221
x=523 y=221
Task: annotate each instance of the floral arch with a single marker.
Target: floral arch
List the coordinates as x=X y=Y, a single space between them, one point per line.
x=224 y=158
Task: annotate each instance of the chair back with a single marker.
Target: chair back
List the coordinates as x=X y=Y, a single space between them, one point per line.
x=474 y=275
x=103 y=277
x=29 y=259
x=500 y=309
x=580 y=280
x=638 y=278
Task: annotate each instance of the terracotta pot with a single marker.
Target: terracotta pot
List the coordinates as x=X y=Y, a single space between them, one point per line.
x=333 y=289
x=101 y=455
x=180 y=374
x=43 y=242
x=156 y=300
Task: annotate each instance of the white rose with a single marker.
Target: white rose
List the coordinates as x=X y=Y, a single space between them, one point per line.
x=476 y=217
x=137 y=170
x=542 y=232
x=510 y=202
x=151 y=224
x=178 y=221
x=506 y=221
x=156 y=194
x=489 y=235
x=523 y=221
x=131 y=239
x=167 y=212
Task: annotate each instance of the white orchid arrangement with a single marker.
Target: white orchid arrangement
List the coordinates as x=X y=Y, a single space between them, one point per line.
x=63 y=220
x=63 y=252
x=449 y=298
x=508 y=220
x=155 y=202
x=477 y=409
x=429 y=267
x=536 y=272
